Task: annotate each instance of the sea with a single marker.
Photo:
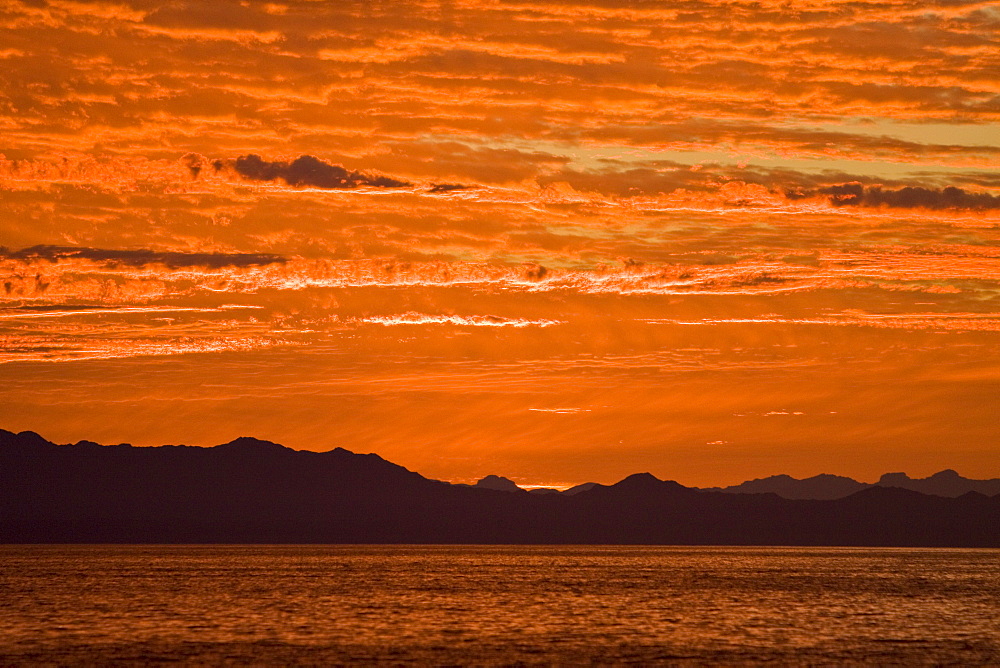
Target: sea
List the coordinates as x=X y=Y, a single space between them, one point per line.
x=496 y=605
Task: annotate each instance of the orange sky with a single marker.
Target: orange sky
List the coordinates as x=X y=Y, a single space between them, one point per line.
x=558 y=241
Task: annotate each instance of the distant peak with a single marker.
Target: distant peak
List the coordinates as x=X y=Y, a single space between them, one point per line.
x=31 y=436
x=24 y=438
x=893 y=477
x=248 y=443
x=947 y=474
x=576 y=489
x=639 y=480
x=498 y=483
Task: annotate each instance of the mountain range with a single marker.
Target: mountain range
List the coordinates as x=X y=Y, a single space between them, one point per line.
x=944 y=483
x=821 y=487
x=254 y=491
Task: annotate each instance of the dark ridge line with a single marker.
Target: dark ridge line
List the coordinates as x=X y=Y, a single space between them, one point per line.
x=256 y=491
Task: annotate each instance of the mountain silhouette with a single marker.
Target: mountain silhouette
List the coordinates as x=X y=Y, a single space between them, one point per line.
x=945 y=483
x=576 y=489
x=253 y=491
x=498 y=483
x=823 y=486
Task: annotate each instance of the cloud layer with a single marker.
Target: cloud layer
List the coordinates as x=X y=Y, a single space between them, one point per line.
x=557 y=240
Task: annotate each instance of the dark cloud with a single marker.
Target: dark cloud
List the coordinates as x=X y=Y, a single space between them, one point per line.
x=447 y=187
x=534 y=271
x=307 y=170
x=839 y=188
x=137 y=258
x=194 y=163
x=907 y=197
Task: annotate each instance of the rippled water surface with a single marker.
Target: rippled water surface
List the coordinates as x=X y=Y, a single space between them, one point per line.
x=497 y=605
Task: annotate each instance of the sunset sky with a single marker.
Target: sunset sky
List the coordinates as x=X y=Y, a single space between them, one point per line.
x=556 y=241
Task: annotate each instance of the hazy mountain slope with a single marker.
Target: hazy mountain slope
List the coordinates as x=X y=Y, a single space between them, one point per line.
x=822 y=486
x=945 y=483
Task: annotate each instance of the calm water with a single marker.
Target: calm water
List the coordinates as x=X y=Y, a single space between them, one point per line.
x=497 y=605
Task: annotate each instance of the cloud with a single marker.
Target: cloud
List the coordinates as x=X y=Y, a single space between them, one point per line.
x=447 y=187
x=307 y=170
x=955 y=322
x=460 y=320
x=139 y=258
x=907 y=197
x=720 y=184
x=69 y=347
x=194 y=163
